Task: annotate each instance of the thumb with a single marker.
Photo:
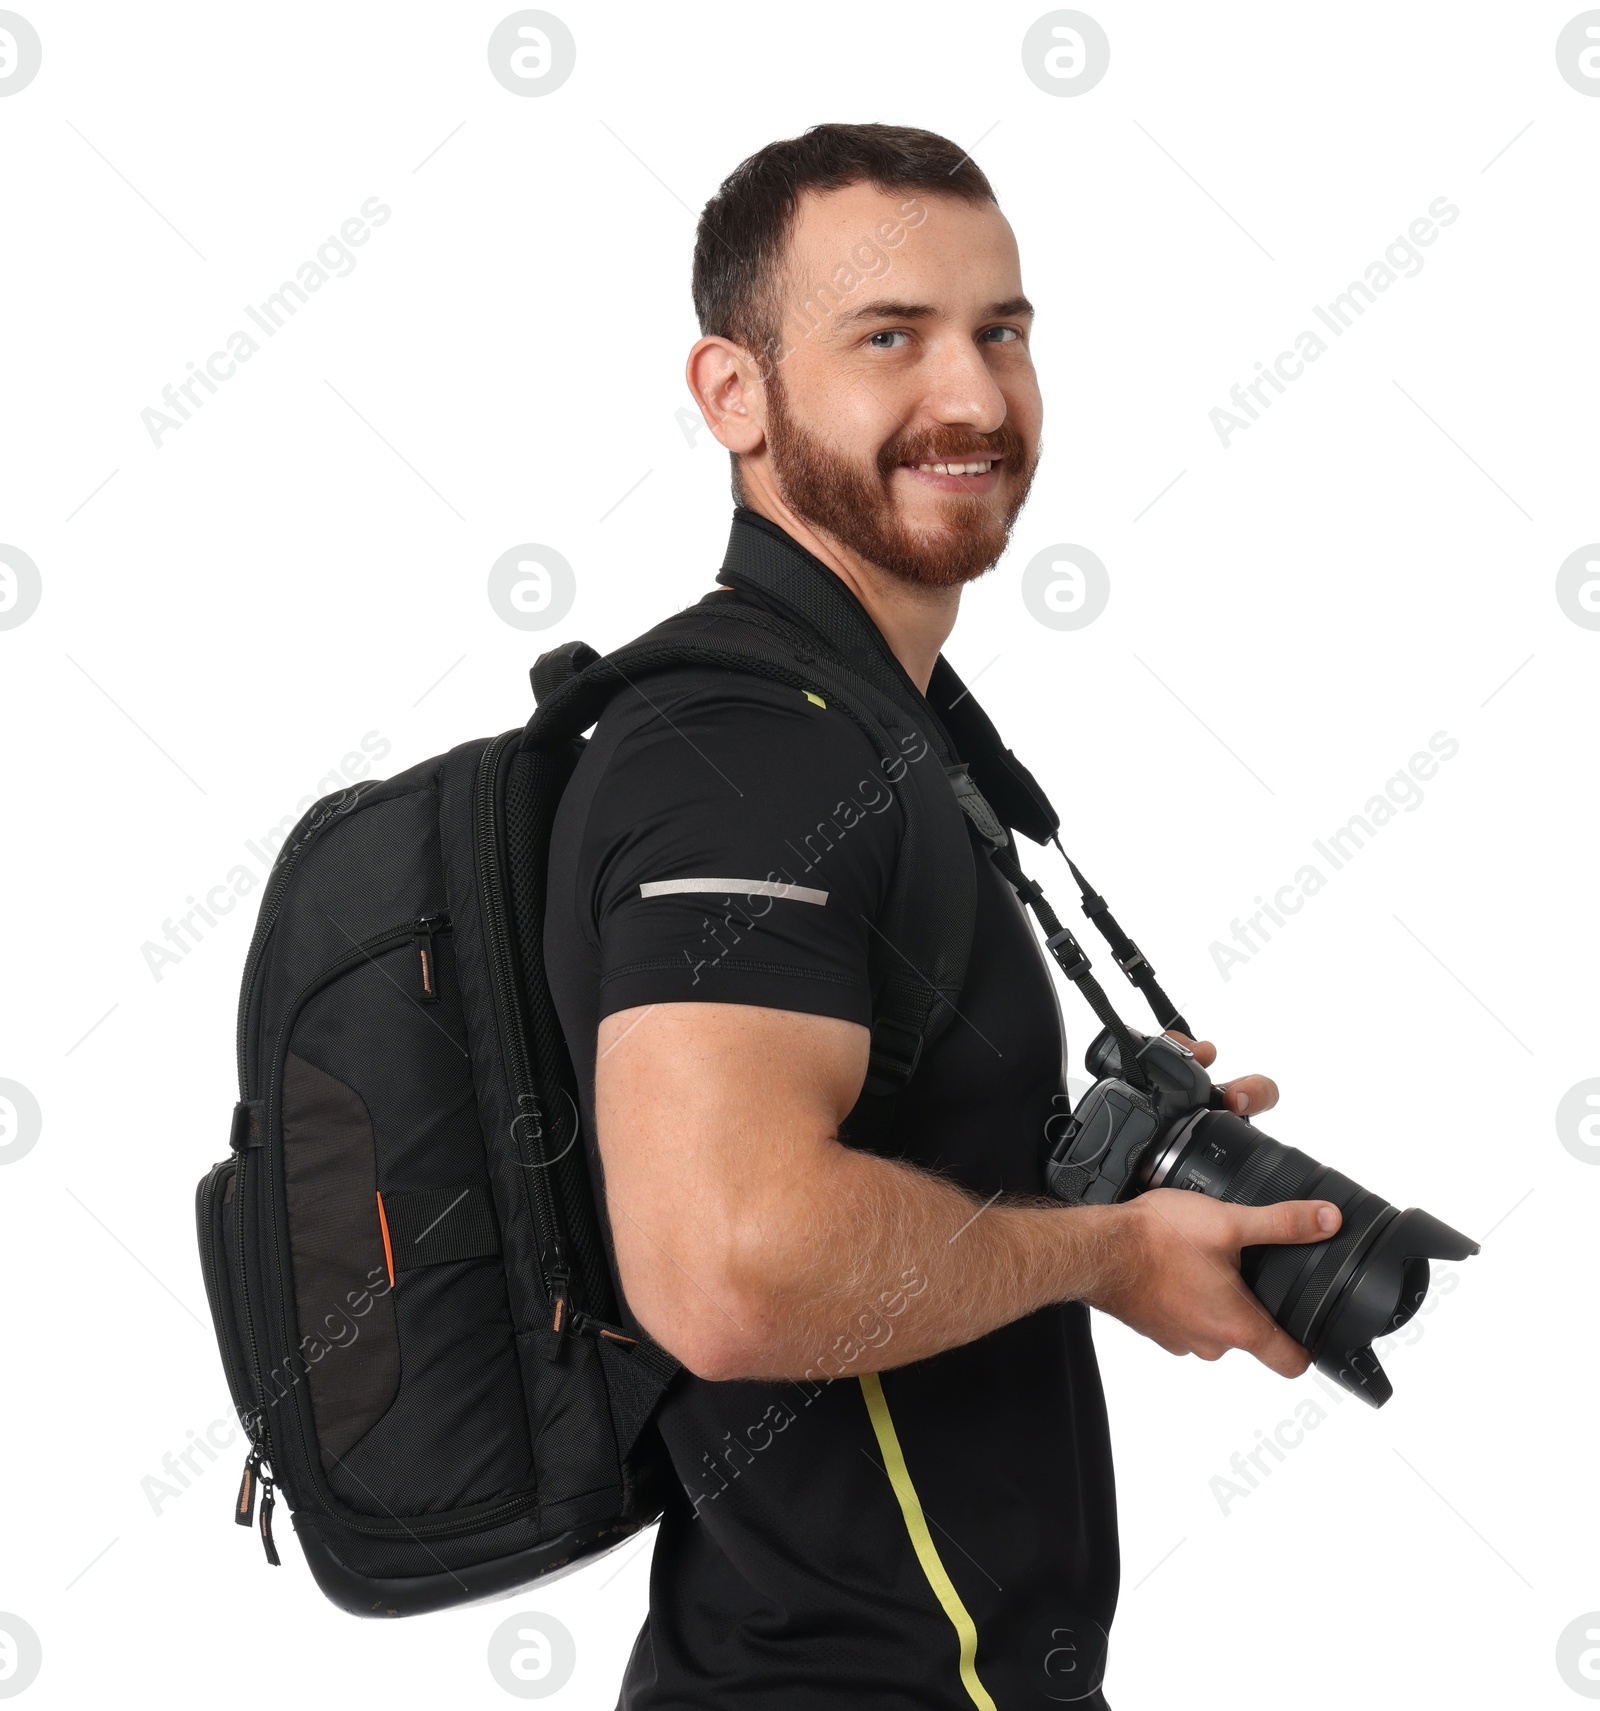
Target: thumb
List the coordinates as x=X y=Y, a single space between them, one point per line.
x=1288 y=1221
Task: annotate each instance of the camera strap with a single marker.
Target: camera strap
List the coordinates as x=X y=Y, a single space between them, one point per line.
x=1019 y=801
x=1063 y=945
x=1125 y=953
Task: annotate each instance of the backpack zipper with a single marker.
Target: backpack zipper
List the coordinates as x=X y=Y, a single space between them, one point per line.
x=261 y=1437
x=320 y=815
x=277 y=883
x=211 y=1264
x=553 y=1270
x=245 y=1504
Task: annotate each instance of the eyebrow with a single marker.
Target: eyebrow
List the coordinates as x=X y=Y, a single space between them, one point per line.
x=884 y=309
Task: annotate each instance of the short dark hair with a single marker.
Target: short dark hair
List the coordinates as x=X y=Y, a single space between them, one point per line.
x=744 y=229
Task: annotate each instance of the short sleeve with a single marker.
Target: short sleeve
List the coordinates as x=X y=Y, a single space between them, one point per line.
x=738 y=847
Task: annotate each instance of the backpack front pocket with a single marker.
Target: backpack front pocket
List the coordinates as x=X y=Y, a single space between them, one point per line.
x=216 y=1214
x=394 y=1324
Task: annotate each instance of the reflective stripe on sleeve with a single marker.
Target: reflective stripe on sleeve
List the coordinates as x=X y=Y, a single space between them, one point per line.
x=725 y=887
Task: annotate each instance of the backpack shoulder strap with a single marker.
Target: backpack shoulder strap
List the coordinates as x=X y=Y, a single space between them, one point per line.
x=923 y=939
x=995 y=790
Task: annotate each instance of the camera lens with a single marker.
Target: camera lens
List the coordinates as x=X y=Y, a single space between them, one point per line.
x=1333 y=1297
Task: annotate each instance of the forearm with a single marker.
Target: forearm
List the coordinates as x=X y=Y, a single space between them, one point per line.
x=879 y=1263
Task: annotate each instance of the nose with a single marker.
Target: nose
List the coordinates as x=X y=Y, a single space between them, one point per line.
x=961 y=391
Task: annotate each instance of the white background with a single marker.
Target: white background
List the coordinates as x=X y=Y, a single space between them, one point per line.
x=1372 y=562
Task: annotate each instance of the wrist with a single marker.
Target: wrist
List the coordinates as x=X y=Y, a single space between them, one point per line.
x=1116 y=1252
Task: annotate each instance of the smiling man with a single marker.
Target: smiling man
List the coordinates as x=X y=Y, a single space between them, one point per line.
x=890 y=1436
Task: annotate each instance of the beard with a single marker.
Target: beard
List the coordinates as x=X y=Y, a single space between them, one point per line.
x=856 y=507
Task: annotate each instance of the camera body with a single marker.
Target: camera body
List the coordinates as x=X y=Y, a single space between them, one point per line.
x=1117 y=1138
x=1333 y=1296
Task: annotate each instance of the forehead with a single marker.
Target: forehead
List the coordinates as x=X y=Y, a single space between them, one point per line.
x=944 y=250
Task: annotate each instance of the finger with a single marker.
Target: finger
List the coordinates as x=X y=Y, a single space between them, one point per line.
x=1205 y=1053
x=1281 y=1353
x=1247 y=1093
x=1286 y=1222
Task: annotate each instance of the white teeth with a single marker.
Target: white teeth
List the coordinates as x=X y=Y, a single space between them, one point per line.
x=958 y=468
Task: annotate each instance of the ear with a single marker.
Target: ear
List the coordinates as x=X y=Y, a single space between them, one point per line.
x=724 y=382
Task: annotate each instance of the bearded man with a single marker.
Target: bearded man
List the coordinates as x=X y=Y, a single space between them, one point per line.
x=889 y=1435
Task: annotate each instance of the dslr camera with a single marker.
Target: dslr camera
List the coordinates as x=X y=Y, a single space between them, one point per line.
x=1333 y=1297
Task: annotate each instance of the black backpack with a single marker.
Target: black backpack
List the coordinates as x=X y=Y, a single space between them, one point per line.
x=402 y=1252
x=403 y=1255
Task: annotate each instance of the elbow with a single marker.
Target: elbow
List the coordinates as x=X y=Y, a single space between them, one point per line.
x=716 y=1357
x=713 y=1328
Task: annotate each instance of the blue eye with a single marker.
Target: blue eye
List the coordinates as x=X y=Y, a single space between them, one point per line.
x=896 y=333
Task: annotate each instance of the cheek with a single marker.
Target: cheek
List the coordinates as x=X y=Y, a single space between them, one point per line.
x=867 y=420
x=1024 y=402
x=849 y=415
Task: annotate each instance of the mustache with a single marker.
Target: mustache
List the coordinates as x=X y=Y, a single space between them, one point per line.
x=951 y=447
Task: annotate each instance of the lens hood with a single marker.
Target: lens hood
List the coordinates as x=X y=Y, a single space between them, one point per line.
x=1377 y=1289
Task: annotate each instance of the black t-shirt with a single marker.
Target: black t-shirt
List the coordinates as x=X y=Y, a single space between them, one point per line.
x=941 y=1534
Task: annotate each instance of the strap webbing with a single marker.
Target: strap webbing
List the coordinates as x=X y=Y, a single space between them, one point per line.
x=1061 y=944
x=1127 y=955
x=432 y=1226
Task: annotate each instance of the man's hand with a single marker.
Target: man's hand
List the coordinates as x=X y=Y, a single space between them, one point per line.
x=1182 y=1287
x=1184 y=1290
x=1245 y=1094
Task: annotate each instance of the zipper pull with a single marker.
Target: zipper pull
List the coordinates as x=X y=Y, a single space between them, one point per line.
x=425 y=928
x=244 y=1505
x=266 y=1521
x=562 y=1315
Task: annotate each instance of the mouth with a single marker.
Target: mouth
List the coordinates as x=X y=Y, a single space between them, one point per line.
x=957 y=475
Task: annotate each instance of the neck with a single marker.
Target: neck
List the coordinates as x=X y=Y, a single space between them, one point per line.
x=914 y=621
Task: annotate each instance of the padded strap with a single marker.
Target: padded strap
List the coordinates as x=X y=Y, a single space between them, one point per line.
x=550 y=670
x=1011 y=790
x=929 y=949
x=760 y=555
x=570 y=709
